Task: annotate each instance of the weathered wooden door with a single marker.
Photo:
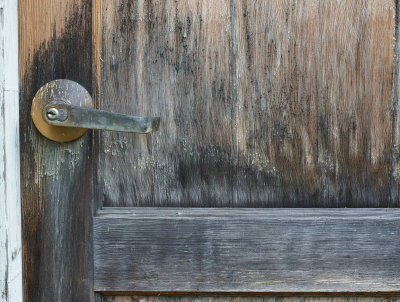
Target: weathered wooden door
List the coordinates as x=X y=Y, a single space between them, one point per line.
x=277 y=118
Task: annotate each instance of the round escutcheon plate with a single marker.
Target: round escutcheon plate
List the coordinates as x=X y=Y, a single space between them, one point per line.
x=70 y=92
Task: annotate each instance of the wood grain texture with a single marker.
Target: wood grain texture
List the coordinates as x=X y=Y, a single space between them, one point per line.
x=56 y=179
x=247 y=250
x=245 y=299
x=395 y=152
x=263 y=103
x=10 y=201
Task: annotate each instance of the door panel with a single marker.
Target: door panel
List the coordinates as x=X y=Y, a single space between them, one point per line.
x=56 y=180
x=263 y=103
x=254 y=251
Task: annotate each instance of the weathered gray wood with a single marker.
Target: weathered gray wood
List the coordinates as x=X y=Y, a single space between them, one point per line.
x=56 y=179
x=247 y=299
x=263 y=103
x=247 y=250
x=10 y=201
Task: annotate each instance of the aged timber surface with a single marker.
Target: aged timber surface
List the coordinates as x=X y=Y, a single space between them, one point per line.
x=247 y=250
x=263 y=103
x=56 y=179
x=317 y=73
x=245 y=299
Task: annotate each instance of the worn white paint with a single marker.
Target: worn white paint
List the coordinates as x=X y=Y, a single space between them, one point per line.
x=10 y=203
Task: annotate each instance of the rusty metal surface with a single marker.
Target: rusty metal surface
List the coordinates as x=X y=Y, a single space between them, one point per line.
x=73 y=94
x=59 y=113
x=62 y=111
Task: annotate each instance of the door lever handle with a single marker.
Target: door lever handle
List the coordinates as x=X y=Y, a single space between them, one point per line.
x=62 y=110
x=59 y=113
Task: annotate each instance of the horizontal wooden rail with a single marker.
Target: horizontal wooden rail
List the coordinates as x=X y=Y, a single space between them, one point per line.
x=247 y=250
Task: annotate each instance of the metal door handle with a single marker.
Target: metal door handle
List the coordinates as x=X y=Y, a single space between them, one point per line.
x=62 y=110
x=59 y=113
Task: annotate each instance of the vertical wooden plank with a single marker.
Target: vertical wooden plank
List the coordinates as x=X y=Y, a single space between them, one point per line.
x=96 y=47
x=10 y=201
x=55 y=41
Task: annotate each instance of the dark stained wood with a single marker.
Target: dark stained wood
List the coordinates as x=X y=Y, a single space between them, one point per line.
x=395 y=152
x=56 y=179
x=263 y=103
x=247 y=250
